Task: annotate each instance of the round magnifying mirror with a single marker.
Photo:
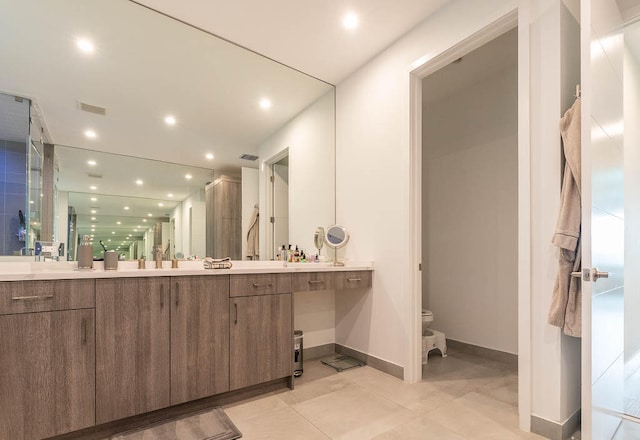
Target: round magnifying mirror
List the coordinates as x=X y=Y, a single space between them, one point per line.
x=318 y=238
x=336 y=236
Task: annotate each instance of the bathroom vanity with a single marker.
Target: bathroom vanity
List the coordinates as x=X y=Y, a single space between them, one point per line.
x=85 y=348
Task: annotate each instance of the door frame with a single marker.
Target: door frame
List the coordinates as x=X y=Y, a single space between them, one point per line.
x=420 y=69
x=267 y=165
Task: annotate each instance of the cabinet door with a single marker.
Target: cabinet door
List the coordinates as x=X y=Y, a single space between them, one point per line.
x=261 y=339
x=199 y=337
x=132 y=347
x=47 y=385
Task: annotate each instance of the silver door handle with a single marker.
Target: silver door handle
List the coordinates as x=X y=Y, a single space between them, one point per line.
x=590 y=274
x=595 y=274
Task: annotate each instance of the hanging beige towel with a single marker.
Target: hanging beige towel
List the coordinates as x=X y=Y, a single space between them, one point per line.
x=253 y=251
x=566 y=306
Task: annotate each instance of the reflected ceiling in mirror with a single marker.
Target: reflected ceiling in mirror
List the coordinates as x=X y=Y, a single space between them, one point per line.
x=144 y=67
x=117 y=198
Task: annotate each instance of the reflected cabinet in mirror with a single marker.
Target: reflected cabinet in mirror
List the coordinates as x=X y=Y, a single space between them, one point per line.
x=107 y=106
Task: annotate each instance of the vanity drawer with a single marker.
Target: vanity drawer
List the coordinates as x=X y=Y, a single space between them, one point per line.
x=353 y=280
x=45 y=296
x=304 y=282
x=253 y=284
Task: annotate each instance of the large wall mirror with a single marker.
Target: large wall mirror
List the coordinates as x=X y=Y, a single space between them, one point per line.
x=108 y=105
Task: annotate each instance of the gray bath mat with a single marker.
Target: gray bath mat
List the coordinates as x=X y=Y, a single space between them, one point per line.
x=207 y=425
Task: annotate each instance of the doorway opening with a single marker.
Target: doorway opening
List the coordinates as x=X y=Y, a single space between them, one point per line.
x=465 y=189
x=277 y=200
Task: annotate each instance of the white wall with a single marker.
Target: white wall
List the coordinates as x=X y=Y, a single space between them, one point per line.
x=373 y=169
x=470 y=205
x=198 y=243
x=373 y=188
x=250 y=179
x=310 y=137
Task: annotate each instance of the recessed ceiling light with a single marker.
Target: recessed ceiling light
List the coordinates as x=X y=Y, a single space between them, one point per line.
x=138 y=226
x=170 y=120
x=150 y=215
x=135 y=230
x=31 y=202
x=169 y=195
x=92 y=163
x=85 y=45
x=265 y=104
x=209 y=156
x=350 y=21
x=160 y=204
x=93 y=187
x=144 y=220
x=118 y=223
x=113 y=232
x=93 y=218
x=126 y=208
x=92 y=235
x=90 y=134
x=139 y=182
x=188 y=176
x=129 y=235
x=93 y=199
x=93 y=211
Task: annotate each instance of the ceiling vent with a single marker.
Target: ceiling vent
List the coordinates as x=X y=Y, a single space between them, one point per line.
x=92 y=108
x=94 y=175
x=250 y=157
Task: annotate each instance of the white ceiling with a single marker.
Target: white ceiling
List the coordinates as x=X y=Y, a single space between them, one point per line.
x=305 y=34
x=145 y=66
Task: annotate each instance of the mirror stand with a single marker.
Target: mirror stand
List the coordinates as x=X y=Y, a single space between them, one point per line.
x=336 y=237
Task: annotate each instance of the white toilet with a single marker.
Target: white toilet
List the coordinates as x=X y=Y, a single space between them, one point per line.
x=431 y=339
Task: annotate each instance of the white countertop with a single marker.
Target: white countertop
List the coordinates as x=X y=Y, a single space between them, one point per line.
x=30 y=270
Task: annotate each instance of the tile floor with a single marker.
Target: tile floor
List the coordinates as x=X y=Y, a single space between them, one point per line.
x=461 y=397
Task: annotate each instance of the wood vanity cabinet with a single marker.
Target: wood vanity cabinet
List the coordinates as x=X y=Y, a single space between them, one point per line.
x=353 y=279
x=308 y=281
x=261 y=338
x=132 y=347
x=199 y=337
x=47 y=358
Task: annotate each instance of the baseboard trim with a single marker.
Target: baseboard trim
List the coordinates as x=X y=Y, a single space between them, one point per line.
x=372 y=361
x=554 y=430
x=488 y=353
x=318 y=351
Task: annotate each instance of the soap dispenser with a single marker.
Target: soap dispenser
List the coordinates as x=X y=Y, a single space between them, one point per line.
x=85 y=254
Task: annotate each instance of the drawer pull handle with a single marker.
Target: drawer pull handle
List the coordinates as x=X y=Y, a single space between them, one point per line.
x=161 y=296
x=177 y=293
x=354 y=280
x=32 y=298
x=315 y=281
x=84 y=331
x=256 y=285
x=236 y=305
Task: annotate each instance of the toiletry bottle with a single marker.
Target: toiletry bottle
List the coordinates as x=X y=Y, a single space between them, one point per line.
x=85 y=254
x=290 y=254
x=285 y=255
